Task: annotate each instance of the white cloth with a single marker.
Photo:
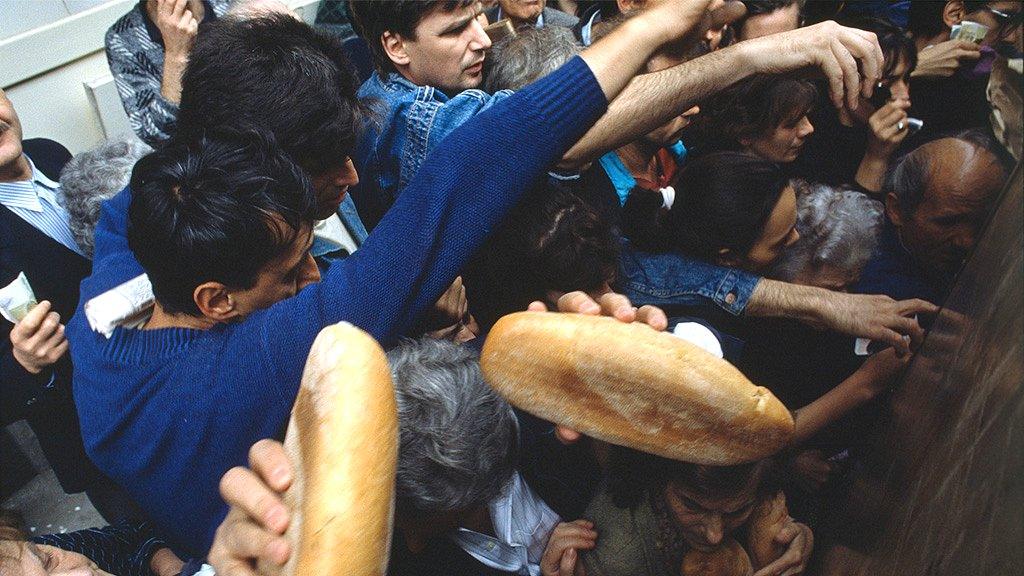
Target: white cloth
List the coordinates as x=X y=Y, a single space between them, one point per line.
x=523 y=524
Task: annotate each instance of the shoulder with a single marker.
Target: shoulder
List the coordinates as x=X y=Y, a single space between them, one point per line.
x=220 y=7
x=48 y=156
x=126 y=24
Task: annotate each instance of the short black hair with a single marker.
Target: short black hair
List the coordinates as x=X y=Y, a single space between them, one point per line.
x=375 y=17
x=278 y=74
x=217 y=208
x=751 y=108
x=724 y=200
x=551 y=240
x=897 y=46
x=756 y=7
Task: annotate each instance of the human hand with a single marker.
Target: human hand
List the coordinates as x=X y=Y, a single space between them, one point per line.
x=800 y=540
x=38 y=341
x=944 y=59
x=688 y=20
x=257 y=519
x=561 y=553
x=833 y=49
x=609 y=304
x=874 y=317
x=880 y=370
x=450 y=318
x=177 y=25
x=164 y=562
x=888 y=127
x=810 y=470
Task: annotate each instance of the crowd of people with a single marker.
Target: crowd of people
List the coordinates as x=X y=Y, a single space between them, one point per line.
x=799 y=192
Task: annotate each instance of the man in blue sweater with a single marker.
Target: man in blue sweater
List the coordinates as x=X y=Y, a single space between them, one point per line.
x=168 y=408
x=429 y=58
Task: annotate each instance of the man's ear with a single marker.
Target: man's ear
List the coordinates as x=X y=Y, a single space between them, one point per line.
x=214 y=302
x=892 y=210
x=953 y=13
x=394 y=47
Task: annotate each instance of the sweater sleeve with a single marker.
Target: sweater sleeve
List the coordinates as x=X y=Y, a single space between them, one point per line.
x=124 y=549
x=441 y=219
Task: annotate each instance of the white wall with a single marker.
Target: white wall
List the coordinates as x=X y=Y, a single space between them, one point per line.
x=50 y=50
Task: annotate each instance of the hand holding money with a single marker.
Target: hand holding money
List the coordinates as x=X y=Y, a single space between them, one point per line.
x=38 y=339
x=943 y=60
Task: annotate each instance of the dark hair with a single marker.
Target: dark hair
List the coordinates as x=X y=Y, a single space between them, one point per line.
x=12 y=526
x=215 y=209
x=552 y=240
x=634 y=475
x=753 y=108
x=909 y=177
x=375 y=17
x=758 y=7
x=277 y=74
x=897 y=46
x=723 y=200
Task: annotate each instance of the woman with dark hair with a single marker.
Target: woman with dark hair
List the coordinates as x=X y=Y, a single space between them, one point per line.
x=764 y=115
x=854 y=146
x=736 y=210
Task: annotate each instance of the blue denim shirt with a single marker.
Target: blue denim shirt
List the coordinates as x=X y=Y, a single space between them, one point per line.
x=675 y=280
x=409 y=121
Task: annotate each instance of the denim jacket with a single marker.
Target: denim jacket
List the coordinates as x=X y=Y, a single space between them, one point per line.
x=407 y=123
x=676 y=280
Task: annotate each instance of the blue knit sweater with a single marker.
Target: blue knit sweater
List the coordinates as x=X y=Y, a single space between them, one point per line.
x=166 y=412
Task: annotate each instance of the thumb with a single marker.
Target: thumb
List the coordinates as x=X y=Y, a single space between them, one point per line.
x=731 y=11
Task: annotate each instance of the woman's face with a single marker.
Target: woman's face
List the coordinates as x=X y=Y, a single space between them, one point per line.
x=784 y=143
x=779 y=232
x=703 y=522
x=28 y=559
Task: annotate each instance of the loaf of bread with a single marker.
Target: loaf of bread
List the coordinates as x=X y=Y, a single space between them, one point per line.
x=629 y=385
x=767 y=518
x=343 y=441
x=728 y=559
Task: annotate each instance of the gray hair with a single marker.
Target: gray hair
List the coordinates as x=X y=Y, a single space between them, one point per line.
x=92 y=177
x=529 y=56
x=459 y=440
x=838 y=228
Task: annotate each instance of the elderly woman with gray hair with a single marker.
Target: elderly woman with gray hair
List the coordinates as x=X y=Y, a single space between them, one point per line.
x=91 y=178
x=838 y=229
x=457 y=485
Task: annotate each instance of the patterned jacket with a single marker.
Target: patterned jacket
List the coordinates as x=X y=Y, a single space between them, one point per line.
x=135 y=53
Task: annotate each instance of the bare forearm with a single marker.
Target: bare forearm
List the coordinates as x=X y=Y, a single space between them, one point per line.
x=617 y=58
x=650 y=100
x=774 y=299
x=871 y=172
x=832 y=406
x=170 y=84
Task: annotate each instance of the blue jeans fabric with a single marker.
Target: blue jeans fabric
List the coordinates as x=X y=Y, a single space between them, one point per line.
x=675 y=280
x=407 y=123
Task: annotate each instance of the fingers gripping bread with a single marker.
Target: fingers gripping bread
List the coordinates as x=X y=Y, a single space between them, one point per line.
x=343 y=440
x=632 y=386
x=768 y=517
x=728 y=559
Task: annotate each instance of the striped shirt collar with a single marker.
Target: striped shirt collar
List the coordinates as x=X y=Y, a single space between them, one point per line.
x=23 y=193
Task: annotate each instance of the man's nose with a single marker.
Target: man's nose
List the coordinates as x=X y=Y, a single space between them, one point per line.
x=806 y=128
x=347 y=176
x=713 y=530
x=310 y=272
x=480 y=40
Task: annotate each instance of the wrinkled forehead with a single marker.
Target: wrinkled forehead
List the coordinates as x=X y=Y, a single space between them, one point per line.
x=962 y=173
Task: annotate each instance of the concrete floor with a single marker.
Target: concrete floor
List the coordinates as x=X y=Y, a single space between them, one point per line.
x=42 y=502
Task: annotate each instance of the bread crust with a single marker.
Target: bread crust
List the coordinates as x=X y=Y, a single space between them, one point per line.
x=629 y=385
x=343 y=440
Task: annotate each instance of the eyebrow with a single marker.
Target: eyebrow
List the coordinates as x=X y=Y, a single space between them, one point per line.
x=459 y=24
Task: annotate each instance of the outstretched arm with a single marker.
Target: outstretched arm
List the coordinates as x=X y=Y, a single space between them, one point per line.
x=652 y=99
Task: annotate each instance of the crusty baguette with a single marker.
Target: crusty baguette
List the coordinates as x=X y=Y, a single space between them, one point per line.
x=727 y=559
x=632 y=386
x=767 y=518
x=343 y=441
